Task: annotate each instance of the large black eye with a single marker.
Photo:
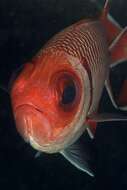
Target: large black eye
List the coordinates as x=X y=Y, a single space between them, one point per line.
x=69 y=94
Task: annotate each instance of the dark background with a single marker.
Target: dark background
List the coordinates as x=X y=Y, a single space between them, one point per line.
x=25 y=25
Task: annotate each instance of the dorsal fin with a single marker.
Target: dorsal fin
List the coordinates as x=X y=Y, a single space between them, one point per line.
x=105 y=10
x=112 y=28
x=118 y=49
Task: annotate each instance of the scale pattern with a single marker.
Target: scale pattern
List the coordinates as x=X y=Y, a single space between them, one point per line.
x=85 y=41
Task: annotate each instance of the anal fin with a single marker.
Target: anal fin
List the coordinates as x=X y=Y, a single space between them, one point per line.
x=115 y=103
x=118 y=51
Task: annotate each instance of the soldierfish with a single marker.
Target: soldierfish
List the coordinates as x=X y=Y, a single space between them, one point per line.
x=56 y=96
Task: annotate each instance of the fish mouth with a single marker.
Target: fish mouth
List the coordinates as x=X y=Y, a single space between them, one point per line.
x=31 y=123
x=37 y=130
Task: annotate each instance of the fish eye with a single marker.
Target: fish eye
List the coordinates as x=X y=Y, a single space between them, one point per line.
x=69 y=94
x=67 y=87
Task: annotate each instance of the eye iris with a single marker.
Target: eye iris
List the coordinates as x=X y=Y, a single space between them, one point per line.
x=69 y=94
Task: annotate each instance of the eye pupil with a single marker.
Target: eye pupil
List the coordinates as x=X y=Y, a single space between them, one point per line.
x=69 y=94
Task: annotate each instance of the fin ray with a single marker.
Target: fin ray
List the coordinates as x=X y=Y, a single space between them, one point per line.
x=80 y=155
x=38 y=154
x=112 y=28
x=118 y=48
x=111 y=96
x=91 y=127
x=106 y=117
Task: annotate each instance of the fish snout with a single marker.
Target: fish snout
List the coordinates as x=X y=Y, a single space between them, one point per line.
x=32 y=125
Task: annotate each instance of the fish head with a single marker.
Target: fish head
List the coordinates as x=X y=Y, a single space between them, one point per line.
x=50 y=101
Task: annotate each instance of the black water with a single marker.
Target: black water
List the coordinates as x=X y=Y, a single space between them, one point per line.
x=25 y=25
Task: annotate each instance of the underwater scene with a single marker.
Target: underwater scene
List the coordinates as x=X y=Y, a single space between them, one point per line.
x=63 y=94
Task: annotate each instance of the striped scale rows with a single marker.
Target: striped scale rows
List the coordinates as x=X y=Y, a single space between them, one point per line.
x=85 y=41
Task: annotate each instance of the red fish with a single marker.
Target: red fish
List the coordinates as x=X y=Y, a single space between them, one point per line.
x=56 y=96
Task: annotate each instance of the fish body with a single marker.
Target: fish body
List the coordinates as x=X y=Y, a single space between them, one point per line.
x=58 y=92
x=80 y=50
x=85 y=44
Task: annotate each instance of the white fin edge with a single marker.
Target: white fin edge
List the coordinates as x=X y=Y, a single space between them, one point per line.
x=90 y=133
x=76 y=165
x=111 y=96
x=114 y=21
x=106 y=117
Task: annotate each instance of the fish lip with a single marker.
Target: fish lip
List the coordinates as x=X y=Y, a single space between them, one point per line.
x=30 y=139
x=47 y=148
x=29 y=105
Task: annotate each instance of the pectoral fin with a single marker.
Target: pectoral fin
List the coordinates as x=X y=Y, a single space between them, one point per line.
x=105 y=117
x=80 y=155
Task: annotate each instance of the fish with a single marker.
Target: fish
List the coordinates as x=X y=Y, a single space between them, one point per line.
x=56 y=96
